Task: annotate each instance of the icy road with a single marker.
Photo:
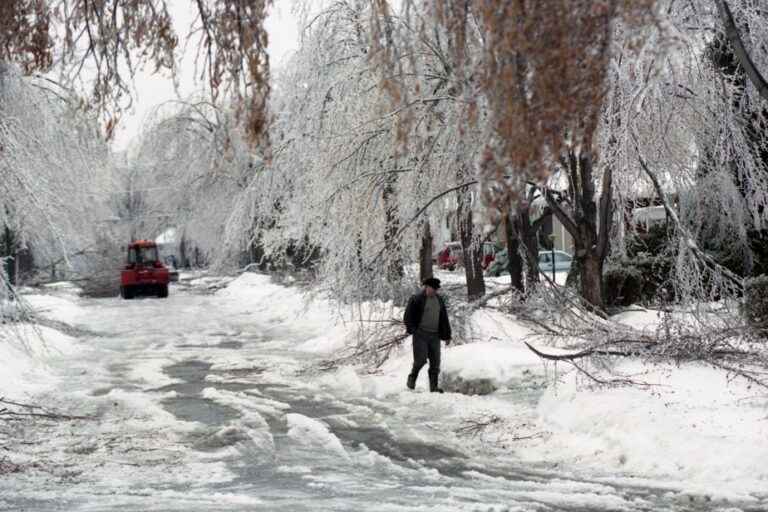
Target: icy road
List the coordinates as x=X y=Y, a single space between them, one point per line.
x=202 y=402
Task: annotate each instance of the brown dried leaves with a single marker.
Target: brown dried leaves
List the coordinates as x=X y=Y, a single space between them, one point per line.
x=539 y=68
x=115 y=38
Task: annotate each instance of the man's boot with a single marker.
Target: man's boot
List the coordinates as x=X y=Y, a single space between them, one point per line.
x=411 y=381
x=433 y=383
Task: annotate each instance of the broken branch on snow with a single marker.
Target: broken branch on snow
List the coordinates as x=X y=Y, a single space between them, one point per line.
x=7 y=413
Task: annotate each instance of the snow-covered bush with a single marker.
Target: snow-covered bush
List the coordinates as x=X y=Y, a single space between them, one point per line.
x=638 y=279
x=656 y=273
x=654 y=241
x=755 y=305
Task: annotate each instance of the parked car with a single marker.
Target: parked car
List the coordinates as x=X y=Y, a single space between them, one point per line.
x=449 y=257
x=562 y=261
x=489 y=253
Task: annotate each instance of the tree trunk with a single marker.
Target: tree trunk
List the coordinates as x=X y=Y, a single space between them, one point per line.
x=573 y=278
x=592 y=279
x=471 y=248
x=359 y=252
x=393 y=263
x=425 y=254
x=514 y=261
x=591 y=245
x=183 y=260
x=8 y=251
x=528 y=233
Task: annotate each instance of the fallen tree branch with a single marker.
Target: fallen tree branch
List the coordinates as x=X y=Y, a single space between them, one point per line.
x=579 y=355
x=609 y=382
x=27 y=406
x=473 y=427
x=7 y=413
x=52 y=416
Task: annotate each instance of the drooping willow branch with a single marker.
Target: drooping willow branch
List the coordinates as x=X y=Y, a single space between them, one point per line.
x=690 y=241
x=418 y=214
x=732 y=33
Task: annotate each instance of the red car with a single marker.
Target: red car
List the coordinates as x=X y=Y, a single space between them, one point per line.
x=144 y=273
x=451 y=256
x=489 y=254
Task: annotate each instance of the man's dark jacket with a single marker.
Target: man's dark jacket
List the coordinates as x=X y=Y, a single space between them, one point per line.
x=415 y=309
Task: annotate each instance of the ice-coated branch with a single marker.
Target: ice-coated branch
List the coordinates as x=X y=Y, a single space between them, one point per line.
x=420 y=212
x=688 y=239
x=732 y=32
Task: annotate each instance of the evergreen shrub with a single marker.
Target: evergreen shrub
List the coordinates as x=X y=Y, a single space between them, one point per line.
x=623 y=285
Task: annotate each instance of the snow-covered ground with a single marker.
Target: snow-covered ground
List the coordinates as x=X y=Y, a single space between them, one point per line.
x=210 y=401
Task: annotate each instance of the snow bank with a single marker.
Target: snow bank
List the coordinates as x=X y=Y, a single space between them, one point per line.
x=500 y=356
x=693 y=430
x=694 y=427
x=253 y=292
x=61 y=307
x=25 y=350
x=317 y=322
x=642 y=319
x=9 y=309
x=252 y=424
x=314 y=433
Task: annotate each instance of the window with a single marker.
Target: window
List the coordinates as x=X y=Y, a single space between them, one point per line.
x=142 y=255
x=562 y=258
x=545 y=258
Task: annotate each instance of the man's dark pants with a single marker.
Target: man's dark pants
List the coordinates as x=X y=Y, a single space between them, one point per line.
x=426 y=347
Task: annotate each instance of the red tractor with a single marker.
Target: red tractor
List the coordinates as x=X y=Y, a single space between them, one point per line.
x=144 y=273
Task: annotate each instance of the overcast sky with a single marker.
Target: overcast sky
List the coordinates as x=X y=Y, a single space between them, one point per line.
x=152 y=90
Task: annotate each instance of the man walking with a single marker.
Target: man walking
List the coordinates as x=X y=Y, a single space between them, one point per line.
x=427 y=320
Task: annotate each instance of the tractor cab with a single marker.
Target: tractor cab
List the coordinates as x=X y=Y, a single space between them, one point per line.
x=144 y=272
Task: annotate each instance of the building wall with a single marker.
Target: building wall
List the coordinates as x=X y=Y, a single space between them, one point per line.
x=563 y=239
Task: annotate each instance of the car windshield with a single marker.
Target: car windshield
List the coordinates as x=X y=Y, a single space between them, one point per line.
x=142 y=254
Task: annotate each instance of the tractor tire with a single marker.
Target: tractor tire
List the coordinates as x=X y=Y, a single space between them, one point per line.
x=126 y=292
x=162 y=291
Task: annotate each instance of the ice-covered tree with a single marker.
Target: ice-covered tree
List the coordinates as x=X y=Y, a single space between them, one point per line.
x=193 y=163
x=54 y=170
x=343 y=181
x=98 y=46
